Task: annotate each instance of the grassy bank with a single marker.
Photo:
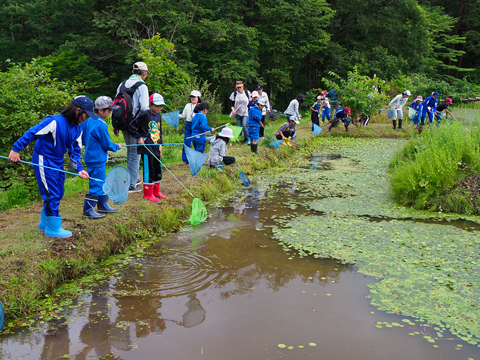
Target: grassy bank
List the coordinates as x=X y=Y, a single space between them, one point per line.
x=33 y=265
x=438 y=171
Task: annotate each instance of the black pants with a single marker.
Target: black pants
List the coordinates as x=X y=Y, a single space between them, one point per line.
x=228 y=160
x=315 y=119
x=262 y=128
x=287 y=134
x=335 y=122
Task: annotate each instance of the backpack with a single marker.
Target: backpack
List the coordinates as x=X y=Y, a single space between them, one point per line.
x=121 y=118
x=246 y=93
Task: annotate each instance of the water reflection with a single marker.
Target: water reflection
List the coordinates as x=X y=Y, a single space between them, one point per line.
x=255 y=294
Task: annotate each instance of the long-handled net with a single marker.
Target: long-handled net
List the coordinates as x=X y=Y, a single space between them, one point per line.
x=195 y=158
x=236 y=131
x=2 y=316
x=275 y=143
x=171 y=118
x=274 y=115
x=115 y=186
x=199 y=211
x=411 y=113
x=243 y=176
x=316 y=129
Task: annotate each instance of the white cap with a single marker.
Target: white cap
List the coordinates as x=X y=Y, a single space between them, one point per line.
x=156 y=99
x=226 y=132
x=140 y=66
x=408 y=93
x=294 y=118
x=262 y=101
x=195 y=93
x=254 y=94
x=319 y=97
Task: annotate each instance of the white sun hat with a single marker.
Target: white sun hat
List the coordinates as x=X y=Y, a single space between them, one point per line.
x=195 y=93
x=226 y=132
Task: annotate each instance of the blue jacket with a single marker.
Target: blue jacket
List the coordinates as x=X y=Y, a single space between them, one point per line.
x=430 y=104
x=96 y=140
x=54 y=135
x=254 y=117
x=340 y=114
x=199 y=124
x=333 y=97
x=416 y=106
x=316 y=105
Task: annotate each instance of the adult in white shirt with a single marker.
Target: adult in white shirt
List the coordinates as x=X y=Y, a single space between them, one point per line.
x=293 y=109
x=396 y=108
x=239 y=105
x=140 y=102
x=263 y=96
x=188 y=114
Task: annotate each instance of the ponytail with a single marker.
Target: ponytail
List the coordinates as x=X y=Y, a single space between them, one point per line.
x=200 y=107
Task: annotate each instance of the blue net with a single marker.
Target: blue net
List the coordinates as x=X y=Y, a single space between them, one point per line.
x=195 y=159
x=171 y=118
x=243 y=176
x=117 y=184
x=276 y=144
x=316 y=129
x=2 y=316
x=390 y=114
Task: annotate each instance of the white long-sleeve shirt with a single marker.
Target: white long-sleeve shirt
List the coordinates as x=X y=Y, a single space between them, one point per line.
x=187 y=112
x=293 y=108
x=398 y=102
x=265 y=108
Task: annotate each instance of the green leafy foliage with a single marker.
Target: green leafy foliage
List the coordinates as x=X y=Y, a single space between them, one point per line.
x=28 y=95
x=358 y=92
x=427 y=172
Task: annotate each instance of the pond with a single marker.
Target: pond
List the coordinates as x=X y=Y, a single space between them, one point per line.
x=226 y=289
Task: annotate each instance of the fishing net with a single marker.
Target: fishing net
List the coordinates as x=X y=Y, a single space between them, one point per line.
x=116 y=185
x=199 y=212
x=195 y=159
x=2 y=316
x=316 y=129
x=243 y=176
x=273 y=115
x=171 y=118
x=390 y=114
x=276 y=144
x=236 y=131
x=411 y=113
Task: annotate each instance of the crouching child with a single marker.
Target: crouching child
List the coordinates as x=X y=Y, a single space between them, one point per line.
x=97 y=143
x=341 y=115
x=217 y=157
x=147 y=129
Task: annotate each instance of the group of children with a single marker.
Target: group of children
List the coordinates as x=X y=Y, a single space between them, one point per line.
x=323 y=106
x=429 y=107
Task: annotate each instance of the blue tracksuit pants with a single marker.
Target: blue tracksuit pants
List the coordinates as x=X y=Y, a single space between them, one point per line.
x=95 y=188
x=188 y=142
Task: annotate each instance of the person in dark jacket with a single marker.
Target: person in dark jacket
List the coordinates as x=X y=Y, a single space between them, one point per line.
x=341 y=115
x=147 y=129
x=443 y=106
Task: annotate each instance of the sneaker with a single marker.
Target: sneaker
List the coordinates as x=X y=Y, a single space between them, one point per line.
x=139 y=182
x=135 y=189
x=262 y=138
x=184 y=163
x=248 y=142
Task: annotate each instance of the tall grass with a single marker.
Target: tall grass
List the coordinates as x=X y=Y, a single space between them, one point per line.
x=426 y=173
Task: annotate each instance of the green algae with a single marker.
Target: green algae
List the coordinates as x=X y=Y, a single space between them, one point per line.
x=429 y=270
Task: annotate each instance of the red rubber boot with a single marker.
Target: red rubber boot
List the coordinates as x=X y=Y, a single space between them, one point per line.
x=148 y=193
x=156 y=191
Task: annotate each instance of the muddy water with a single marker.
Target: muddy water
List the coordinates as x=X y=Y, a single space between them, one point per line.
x=226 y=290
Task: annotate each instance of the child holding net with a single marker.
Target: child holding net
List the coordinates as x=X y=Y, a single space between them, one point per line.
x=147 y=129
x=217 y=157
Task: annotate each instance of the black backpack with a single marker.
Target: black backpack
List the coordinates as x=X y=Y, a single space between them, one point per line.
x=121 y=118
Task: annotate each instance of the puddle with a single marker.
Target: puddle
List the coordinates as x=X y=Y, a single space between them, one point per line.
x=226 y=290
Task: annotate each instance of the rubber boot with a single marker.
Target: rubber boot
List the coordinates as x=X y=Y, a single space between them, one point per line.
x=394 y=124
x=400 y=124
x=43 y=222
x=89 y=208
x=346 y=128
x=54 y=228
x=156 y=191
x=148 y=193
x=103 y=207
x=255 y=149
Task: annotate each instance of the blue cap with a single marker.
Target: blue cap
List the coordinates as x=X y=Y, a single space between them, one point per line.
x=436 y=94
x=86 y=104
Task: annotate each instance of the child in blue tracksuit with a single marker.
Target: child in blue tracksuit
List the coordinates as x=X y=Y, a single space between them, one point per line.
x=187 y=115
x=97 y=143
x=429 y=107
x=417 y=105
x=254 y=124
x=55 y=135
x=200 y=127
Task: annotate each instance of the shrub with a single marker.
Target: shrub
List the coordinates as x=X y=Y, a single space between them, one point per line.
x=427 y=172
